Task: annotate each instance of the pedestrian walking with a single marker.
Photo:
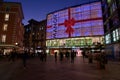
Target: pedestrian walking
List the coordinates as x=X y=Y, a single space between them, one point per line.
x=67 y=55
x=44 y=56
x=103 y=60
x=24 y=58
x=90 y=57
x=12 y=55
x=61 y=56
x=41 y=56
x=83 y=55
x=55 y=56
x=72 y=56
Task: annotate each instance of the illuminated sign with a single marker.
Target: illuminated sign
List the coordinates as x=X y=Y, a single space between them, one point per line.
x=83 y=20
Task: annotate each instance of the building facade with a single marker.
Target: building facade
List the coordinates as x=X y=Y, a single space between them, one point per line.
x=1 y=2
x=11 y=27
x=111 y=17
x=35 y=36
x=75 y=28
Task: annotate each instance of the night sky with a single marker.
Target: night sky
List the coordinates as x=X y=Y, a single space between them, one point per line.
x=38 y=9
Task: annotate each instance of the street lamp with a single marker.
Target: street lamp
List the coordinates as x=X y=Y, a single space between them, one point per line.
x=16 y=44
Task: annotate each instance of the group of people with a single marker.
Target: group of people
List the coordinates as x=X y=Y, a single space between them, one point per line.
x=70 y=56
x=25 y=55
x=101 y=58
x=66 y=55
x=15 y=55
x=42 y=56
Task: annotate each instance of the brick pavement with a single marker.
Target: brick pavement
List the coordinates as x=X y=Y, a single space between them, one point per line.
x=49 y=70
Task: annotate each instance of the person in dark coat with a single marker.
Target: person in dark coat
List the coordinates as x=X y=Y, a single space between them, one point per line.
x=24 y=58
x=72 y=56
x=45 y=56
x=67 y=55
x=103 y=60
x=83 y=55
x=90 y=57
x=55 y=56
x=12 y=56
x=61 y=56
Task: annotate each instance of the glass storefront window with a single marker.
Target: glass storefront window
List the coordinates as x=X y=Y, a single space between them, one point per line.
x=119 y=33
x=89 y=41
x=114 y=36
x=6 y=17
x=5 y=27
x=3 y=38
x=107 y=39
x=76 y=42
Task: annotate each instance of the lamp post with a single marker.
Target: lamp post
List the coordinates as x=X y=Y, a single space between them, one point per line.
x=16 y=44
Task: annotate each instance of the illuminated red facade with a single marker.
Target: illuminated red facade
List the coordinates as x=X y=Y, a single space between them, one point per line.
x=75 y=27
x=78 y=21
